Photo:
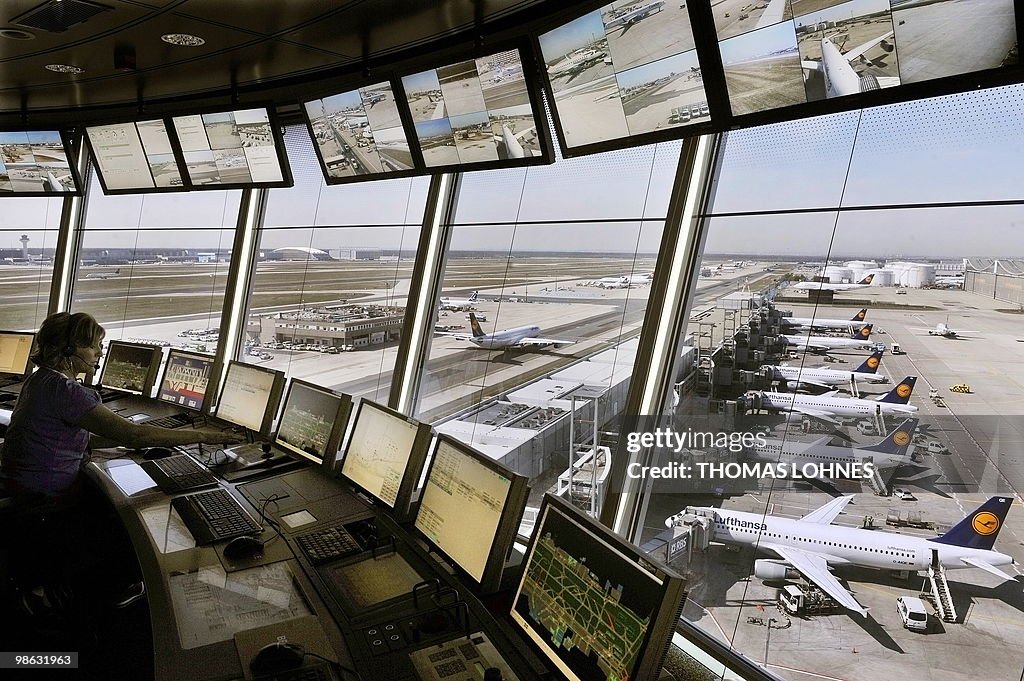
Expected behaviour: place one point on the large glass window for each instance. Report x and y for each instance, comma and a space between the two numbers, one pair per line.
28, 238
329, 292
858, 342
544, 291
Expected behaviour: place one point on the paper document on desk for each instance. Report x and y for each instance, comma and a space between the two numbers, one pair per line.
166, 528
130, 478
211, 605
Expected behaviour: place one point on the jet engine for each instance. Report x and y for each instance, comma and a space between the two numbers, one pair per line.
774, 570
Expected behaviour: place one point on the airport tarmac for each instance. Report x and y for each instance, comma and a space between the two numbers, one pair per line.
765, 84
591, 112
733, 17
655, 37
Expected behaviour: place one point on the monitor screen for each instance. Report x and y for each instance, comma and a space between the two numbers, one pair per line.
15, 348
595, 605
359, 134
250, 396
312, 421
622, 70
35, 163
186, 379
231, 149
477, 111
385, 454
130, 366
470, 508
134, 156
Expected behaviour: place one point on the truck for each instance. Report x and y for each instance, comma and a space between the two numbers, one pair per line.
910, 518
806, 599
896, 349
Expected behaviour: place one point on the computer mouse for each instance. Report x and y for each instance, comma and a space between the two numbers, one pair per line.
276, 658
243, 547
156, 453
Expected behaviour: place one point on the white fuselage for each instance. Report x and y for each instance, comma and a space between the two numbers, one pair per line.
829, 342
506, 338
846, 545
800, 453
812, 323
825, 286
850, 407
840, 78
827, 376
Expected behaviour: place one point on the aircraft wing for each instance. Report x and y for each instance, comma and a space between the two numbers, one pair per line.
818, 384
456, 336
818, 414
861, 49
824, 515
889, 81
815, 568
543, 341
992, 569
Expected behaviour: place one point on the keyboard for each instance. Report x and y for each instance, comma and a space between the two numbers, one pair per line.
178, 473
214, 515
172, 421
327, 544
317, 672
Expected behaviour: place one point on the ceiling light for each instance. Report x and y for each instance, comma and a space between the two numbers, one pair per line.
16, 34
64, 68
183, 39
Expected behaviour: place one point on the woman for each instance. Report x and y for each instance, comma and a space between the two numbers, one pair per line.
48, 437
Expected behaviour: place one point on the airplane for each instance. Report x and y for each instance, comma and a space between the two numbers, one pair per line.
941, 329
812, 544
840, 78
832, 407
888, 453
575, 64
627, 19
800, 377
104, 275
459, 304
513, 147
518, 337
815, 323
858, 340
826, 286
613, 282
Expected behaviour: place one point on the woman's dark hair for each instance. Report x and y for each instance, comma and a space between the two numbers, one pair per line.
61, 334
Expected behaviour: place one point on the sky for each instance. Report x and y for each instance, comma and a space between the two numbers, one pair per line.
964, 147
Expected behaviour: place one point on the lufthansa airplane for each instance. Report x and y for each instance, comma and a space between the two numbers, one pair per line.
855, 321
798, 378
889, 453
518, 337
858, 340
832, 407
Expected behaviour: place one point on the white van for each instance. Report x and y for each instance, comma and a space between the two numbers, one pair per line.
913, 612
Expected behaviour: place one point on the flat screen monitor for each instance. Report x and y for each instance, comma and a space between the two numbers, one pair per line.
595, 606
15, 349
470, 510
385, 456
482, 113
186, 379
359, 135
623, 70
134, 157
131, 367
228, 149
250, 396
36, 163
313, 421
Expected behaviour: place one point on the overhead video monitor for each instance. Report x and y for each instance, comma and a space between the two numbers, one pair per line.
134, 157
250, 396
313, 421
623, 70
131, 367
36, 163
15, 349
470, 510
478, 113
232, 149
594, 605
385, 456
359, 135
186, 379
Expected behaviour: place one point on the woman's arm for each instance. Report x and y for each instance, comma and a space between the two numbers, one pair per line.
105, 423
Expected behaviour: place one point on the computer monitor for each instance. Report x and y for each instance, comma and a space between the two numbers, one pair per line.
15, 348
385, 455
595, 606
313, 421
250, 396
470, 510
131, 367
186, 379
37, 163
134, 157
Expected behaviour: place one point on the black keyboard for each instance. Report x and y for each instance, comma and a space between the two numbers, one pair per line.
172, 421
317, 672
214, 515
327, 544
178, 473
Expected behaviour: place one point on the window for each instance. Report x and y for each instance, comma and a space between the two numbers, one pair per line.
28, 238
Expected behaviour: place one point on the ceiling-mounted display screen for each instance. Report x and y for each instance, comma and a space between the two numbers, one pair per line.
134, 156
626, 69
35, 163
778, 53
232, 149
359, 134
480, 112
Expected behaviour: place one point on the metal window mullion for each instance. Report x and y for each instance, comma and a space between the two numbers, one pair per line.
69, 240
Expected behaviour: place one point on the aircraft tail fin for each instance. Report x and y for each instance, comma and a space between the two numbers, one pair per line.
901, 393
897, 441
870, 365
979, 529
475, 325
473, 295
867, 280
860, 316
863, 333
